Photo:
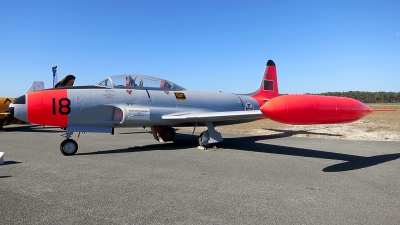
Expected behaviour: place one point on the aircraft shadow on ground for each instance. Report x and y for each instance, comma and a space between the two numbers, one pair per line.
5, 177
179, 144
249, 143
289, 133
31, 128
10, 163
351, 162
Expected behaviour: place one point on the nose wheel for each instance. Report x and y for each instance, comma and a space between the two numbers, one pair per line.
68, 147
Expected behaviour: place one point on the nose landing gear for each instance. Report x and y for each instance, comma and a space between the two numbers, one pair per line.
68, 147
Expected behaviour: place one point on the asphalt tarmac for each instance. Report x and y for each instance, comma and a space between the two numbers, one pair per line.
129, 178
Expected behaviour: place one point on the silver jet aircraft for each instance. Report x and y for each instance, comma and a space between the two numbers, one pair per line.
143, 101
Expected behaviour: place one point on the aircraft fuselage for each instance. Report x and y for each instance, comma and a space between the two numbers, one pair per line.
78, 109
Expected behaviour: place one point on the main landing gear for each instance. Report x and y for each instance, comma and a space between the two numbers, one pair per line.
209, 137
68, 146
163, 133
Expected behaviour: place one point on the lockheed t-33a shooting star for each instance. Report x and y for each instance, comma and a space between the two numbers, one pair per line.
144, 101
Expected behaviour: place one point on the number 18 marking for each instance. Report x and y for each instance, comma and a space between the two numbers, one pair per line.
63, 106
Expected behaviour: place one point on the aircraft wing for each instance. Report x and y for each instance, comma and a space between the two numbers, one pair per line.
214, 116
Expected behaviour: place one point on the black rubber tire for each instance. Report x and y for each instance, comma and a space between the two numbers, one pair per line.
68, 147
200, 139
170, 133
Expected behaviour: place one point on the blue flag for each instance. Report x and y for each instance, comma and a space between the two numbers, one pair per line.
55, 79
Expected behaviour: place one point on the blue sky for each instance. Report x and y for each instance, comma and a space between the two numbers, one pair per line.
212, 45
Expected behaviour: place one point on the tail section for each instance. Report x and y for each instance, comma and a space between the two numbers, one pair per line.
36, 86
269, 85
67, 81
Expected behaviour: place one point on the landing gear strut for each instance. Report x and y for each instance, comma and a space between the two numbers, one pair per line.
209, 137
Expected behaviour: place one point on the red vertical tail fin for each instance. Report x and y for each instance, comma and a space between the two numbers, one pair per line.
269, 85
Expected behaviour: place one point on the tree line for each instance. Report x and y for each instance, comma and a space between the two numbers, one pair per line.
368, 97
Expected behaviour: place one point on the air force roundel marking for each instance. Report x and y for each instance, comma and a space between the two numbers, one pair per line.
249, 106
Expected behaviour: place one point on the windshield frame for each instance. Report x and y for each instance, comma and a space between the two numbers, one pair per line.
137, 81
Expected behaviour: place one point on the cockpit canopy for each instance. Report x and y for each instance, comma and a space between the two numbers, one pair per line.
138, 81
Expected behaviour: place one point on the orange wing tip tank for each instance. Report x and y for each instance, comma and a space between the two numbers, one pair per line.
314, 109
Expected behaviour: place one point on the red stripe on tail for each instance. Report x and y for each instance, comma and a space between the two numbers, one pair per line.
269, 85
